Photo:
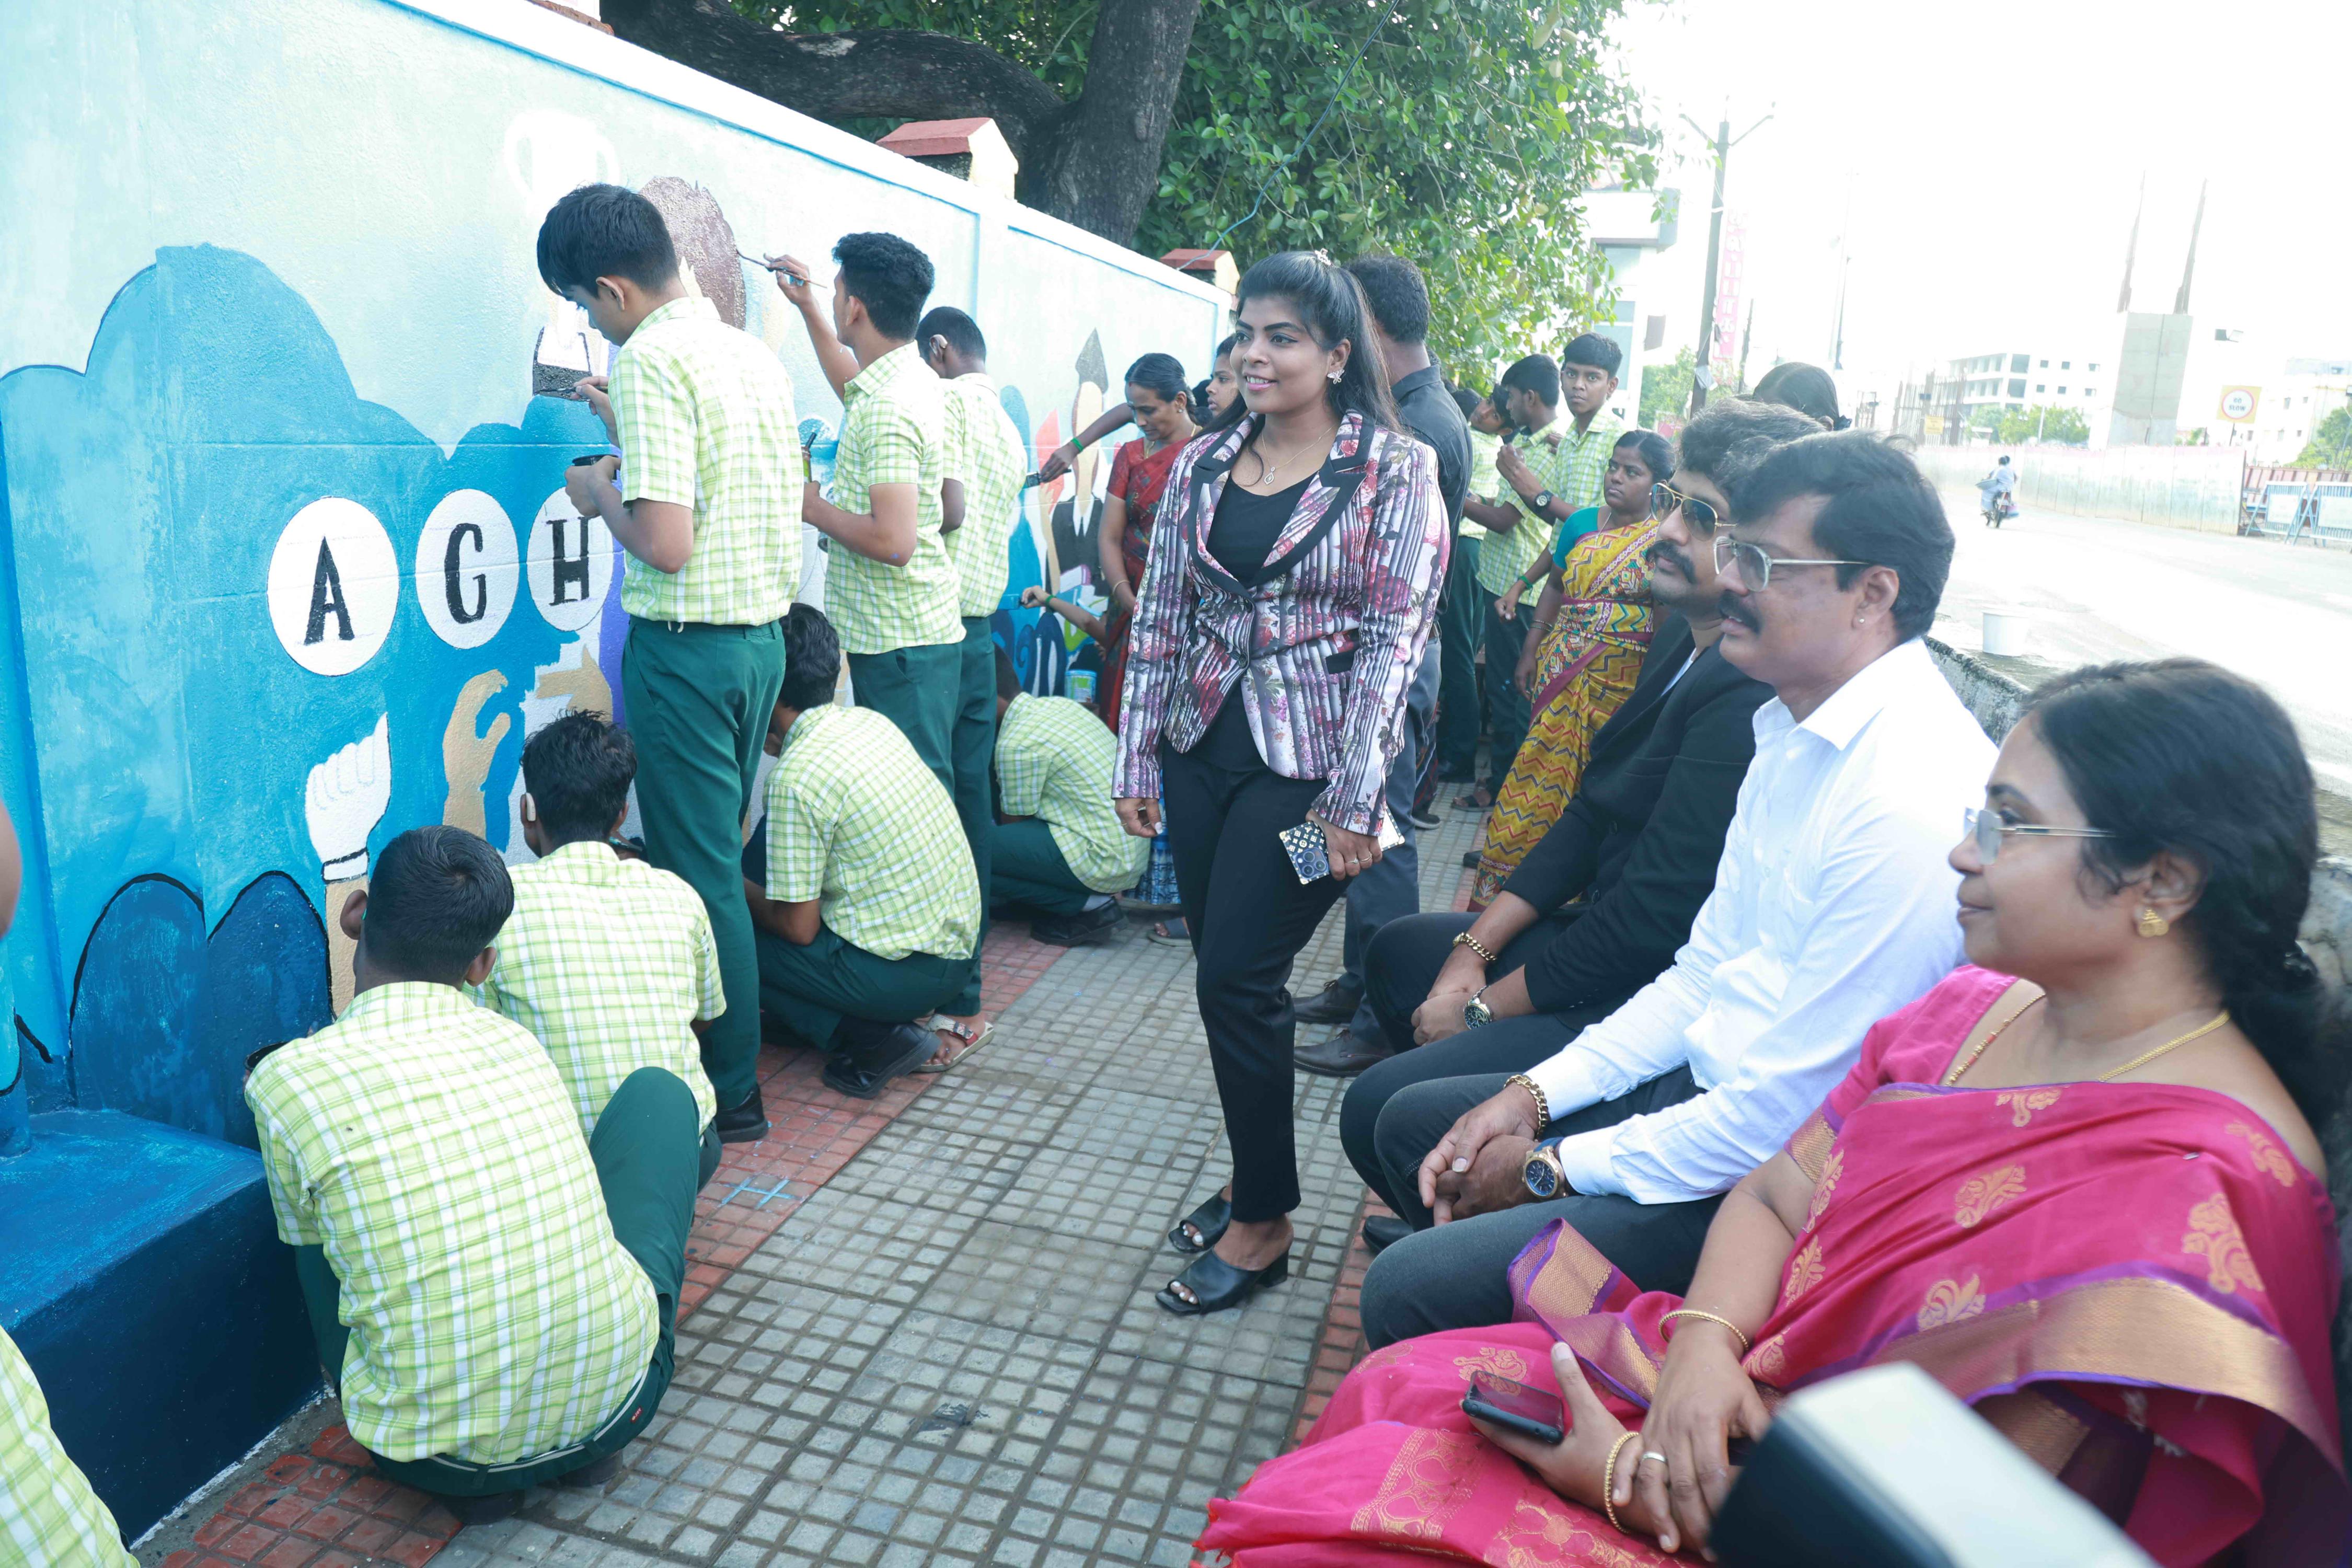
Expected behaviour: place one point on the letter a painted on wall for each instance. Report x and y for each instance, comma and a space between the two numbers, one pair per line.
467, 568
570, 564
334, 586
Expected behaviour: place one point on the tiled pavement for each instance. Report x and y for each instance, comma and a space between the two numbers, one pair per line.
921, 1330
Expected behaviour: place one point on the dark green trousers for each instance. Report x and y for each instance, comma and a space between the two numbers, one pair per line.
1029, 872
648, 1151
975, 777
1461, 627
1508, 708
919, 689
809, 990
699, 697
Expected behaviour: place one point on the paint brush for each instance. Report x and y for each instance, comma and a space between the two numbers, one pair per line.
787, 277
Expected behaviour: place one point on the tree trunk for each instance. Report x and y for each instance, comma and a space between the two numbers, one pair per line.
1095, 163
1102, 166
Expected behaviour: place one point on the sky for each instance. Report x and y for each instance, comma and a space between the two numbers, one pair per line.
1993, 165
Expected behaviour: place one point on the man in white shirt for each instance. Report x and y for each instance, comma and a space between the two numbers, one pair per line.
1832, 906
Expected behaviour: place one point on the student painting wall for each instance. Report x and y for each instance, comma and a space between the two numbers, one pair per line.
285, 565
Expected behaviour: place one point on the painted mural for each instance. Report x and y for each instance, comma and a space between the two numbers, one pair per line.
285, 564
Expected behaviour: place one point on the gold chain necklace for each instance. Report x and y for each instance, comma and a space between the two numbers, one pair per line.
2141, 1061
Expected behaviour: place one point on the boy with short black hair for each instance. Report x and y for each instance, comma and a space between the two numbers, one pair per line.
703, 415
1060, 852
493, 1299
870, 911
890, 585
609, 962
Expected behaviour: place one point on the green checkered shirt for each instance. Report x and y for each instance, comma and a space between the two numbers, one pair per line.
47, 1512
985, 451
1484, 482
893, 432
608, 962
706, 422
1572, 474
1054, 760
431, 1147
1581, 465
855, 819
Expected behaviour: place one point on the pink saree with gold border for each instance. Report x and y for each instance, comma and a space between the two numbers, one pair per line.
2134, 1282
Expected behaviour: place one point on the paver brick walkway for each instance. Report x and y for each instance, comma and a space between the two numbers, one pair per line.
922, 1331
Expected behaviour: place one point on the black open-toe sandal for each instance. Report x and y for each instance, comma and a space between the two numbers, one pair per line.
1208, 1220
1216, 1285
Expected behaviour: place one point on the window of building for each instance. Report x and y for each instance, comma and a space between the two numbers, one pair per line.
2065, 364
2061, 392
2045, 365
2017, 389
2016, 361
2093, 365
2090, 392
2040, 386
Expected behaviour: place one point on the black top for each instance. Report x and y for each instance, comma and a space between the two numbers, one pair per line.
1242, 535
1643, 837
1430, 412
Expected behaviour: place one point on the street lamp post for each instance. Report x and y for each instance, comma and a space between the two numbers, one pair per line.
1723, 142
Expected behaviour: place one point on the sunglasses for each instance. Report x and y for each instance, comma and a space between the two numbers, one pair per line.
1756, 563
1988, 830
1699, 514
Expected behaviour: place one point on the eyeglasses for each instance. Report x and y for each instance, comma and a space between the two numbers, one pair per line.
1755, 565
1699, 514
1988, 830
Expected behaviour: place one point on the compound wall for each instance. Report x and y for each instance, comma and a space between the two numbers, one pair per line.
285, 562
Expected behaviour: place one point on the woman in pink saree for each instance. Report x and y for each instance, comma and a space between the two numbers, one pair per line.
2077, 1183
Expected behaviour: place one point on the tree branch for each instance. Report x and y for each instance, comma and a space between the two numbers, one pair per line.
885, 73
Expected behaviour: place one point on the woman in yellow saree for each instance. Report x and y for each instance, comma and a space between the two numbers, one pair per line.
1592, 625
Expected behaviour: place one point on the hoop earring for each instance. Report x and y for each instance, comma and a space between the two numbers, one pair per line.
2150, 923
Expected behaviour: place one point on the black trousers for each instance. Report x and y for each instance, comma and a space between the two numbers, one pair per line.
1454, 1276
1399, 971
1249, 916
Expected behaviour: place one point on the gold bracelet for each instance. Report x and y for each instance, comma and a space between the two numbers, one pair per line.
1543, 1104
1609, 1481
1710, 1317
1465, 939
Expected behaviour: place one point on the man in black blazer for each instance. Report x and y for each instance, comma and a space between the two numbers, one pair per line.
1600, 907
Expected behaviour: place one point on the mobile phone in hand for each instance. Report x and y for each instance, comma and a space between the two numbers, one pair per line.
1515, 1408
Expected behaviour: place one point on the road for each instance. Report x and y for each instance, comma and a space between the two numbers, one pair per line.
2101, 588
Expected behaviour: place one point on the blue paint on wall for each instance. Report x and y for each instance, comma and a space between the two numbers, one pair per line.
147, 1288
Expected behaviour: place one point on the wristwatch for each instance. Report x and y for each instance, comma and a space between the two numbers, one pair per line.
1476, 1014
1542, 1173
1542, 500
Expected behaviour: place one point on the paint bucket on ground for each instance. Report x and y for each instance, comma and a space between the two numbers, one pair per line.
2005, 633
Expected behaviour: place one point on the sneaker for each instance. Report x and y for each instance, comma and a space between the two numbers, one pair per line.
743, 1123
1424, 818
1335, 1004
1088, 928
862, 1069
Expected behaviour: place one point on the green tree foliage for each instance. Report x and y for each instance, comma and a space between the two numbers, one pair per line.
1667, 389
1461, 141
2054, 424
2330, 445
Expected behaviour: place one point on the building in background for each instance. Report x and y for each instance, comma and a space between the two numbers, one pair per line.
1629, 228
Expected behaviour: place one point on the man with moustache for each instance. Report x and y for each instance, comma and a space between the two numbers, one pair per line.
1832, 908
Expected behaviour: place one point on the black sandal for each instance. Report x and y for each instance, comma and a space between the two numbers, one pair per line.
1210, 1219
1217, 1285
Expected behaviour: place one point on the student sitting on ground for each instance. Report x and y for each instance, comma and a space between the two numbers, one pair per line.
493, 1298
1060, 852
871, 910
611, 963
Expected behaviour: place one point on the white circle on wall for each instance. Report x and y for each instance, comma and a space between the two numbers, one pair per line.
570, 564
334, 586
466, 569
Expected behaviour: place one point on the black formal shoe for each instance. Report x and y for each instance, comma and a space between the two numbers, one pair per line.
1216, 1285
862, 1069
1088, 928
597, 1472
1426, 821
743, 1123
1382, 1231
1470, 859
1344, 1055
1335, 1004
1198, 1231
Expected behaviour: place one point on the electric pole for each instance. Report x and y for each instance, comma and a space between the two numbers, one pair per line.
1723, 142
